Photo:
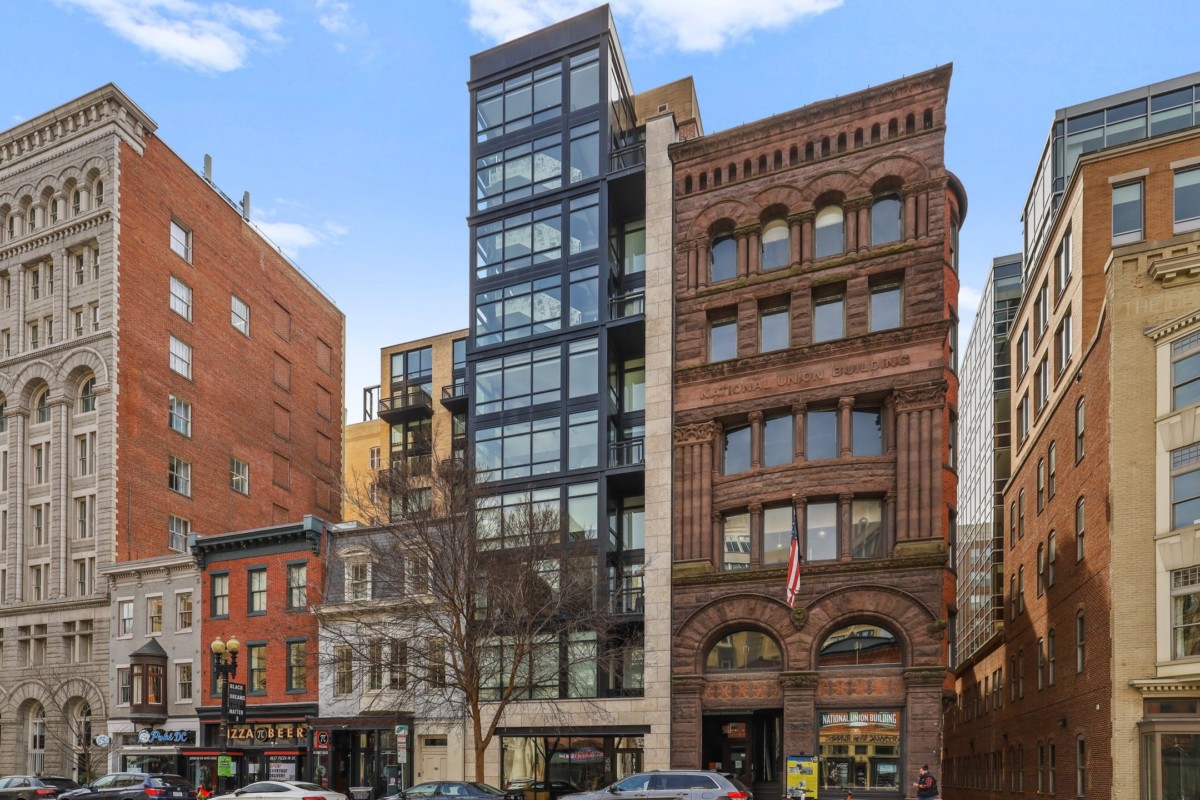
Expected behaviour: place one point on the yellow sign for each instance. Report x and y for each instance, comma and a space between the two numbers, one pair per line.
802, 777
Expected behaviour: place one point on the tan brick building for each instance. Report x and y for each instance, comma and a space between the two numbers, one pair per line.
1093, 691
815, 287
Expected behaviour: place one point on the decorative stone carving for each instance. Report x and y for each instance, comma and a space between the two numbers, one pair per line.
915, 398
798, 680
696, 433
799, 617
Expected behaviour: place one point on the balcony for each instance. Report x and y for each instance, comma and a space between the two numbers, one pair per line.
627, 157
407, 404
628, 600
629, 304
454, 395
627, 452
406, 467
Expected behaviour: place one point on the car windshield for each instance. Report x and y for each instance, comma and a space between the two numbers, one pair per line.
483, 787
634, 783
62, 783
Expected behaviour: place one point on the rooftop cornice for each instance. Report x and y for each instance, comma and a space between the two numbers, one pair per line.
307, 534
822, 111
103, 106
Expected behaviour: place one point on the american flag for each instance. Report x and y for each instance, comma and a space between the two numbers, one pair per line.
794, 561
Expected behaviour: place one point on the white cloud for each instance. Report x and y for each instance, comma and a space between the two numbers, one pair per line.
292, 237
968, 301
688, 25
215, 37
333, 15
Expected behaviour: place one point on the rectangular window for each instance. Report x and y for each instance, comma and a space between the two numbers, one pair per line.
179, 476
1127, 213
1080, 767
178, 529
829, 316
821, 435
1041, 310
737, 450
343, 674
375, 665
398, 665
437, 664
1185, 371
257, 669
183, 611
358, 580
1023, 419
181, 357
1062, 264
1023, 352
866, 528
776, 535
722, 340
1063, 345
773, 329
181, 241
517, 311
154, 614
519, 449
257, 591
1080, 642
124, 686
240, 315
239, 476
125, 618
220, 595
737, 541
297, 586
1080, 422
778, 441
179, 415
866, 431
886, 306
85, 454
85, 576
523, 379
181, 298
297, 666
183, 683
1187, 200
85, 516
821, 532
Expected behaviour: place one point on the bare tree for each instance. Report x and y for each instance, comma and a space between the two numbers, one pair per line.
477, 600
70, 737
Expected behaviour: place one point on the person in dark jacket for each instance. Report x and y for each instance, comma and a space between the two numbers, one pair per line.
926, 784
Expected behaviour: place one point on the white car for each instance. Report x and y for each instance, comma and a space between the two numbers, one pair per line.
282, 790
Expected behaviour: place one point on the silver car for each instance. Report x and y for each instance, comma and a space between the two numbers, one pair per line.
673, 784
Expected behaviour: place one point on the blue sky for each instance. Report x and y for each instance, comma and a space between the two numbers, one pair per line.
347, 120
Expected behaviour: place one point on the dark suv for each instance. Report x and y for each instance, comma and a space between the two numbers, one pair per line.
30, 787
137, 786
672, 784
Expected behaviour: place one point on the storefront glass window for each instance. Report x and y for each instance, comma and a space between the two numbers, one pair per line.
860, 751
540, 765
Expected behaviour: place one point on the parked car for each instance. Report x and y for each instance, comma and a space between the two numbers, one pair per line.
29, 787
135, 786
439, 790
689, 784
529, 789
279, 790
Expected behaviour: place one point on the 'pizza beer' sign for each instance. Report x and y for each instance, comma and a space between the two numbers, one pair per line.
277, 733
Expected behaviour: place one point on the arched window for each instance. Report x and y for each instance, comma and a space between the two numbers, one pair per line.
793, 156
862, 643
35, 735
731, 173
703, 181
775, 253
87, 396
716, 177
3, 415
762, 164
32, 218
98, 195
885, 220
744, 650
875, 132
746, 168
841, 143
41, 406
910, 124
76, 202
927, 120
893, 128
724, 259
829, 239
687, 184
824, 146
808, 151
858, 137
778, 159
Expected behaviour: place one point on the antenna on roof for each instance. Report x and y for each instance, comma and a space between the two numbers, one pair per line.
208, 167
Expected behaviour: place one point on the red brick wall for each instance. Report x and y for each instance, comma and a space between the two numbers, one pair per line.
232, 390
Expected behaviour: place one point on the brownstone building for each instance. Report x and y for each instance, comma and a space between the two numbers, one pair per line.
815, 287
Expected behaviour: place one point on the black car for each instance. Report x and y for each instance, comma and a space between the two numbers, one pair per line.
136, 786
529, 789
30, 787
443, 790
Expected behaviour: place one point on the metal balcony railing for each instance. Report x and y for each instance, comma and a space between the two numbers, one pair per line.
454, 391
628, 600
630, 156
415, 398
627, 305
627, 452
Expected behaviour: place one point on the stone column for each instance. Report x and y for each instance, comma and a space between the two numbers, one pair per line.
889, 424
794, 238
799, 414
844, 523
756, 527
18, 507
756, 439
864, 225
703, 261
807, 220
743, 258
889, 521
923, 213
799, 710
754, 248
910, 217
924, 711
60, 464
800, 505
845, 427
687, 729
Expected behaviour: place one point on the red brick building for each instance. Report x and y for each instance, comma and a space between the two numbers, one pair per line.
816, 291
259, 587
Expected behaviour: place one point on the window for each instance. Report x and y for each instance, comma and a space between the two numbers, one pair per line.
1041, 570
1079, 529
528, 168
183, 611
517, 311
297, 666
1127, 213
828, 238
773, 329
1187, 200
821, 532
1062, 263
179, 476
885, 220
744, 650
1080, 642
775, 245
952, 442
1185, 486
1050, 658
1080, 766
239, 315
1051, 556
181, 298
154, 614
1021, 514
1185, 371
124, 686
1063, 346
373, 458
1080, 420
519, 380
42, 407
85, 517
34, 339
181, 357
183, 683
297, 586
821, 435
87, 396
257, 592
125, 618
722, 340
737, 450
1041, 310
518, 241
1185, 614
358, 580
778, 441
257, 669
177, 533
886, 307
181, 241
1020, 597
1023, 352
723, 259
220, 595
866, 528
36, 737
437, 664
736, 530
239, 476
1041, 663
866, 431
518, 102
1041, 485
179, 415
39, 525
85, 454
829, 315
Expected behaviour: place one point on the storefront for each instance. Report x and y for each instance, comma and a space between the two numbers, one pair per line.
860, 750
153, 749
261, 749
362, 751
585, 761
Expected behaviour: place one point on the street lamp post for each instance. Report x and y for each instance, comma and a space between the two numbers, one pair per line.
224, 664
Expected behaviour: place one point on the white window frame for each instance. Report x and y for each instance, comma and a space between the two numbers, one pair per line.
191, 610
151, 599
181, 241
239, 475
179, 411
178, 529
239, 318
181, 357
122, 604
180, 697
181, 298
179, 473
